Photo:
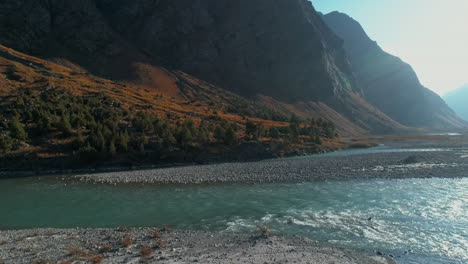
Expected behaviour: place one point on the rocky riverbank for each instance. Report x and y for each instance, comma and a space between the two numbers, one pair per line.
410, 163
150, 245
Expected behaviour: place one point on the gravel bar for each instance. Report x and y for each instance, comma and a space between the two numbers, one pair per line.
149, 245
411, 164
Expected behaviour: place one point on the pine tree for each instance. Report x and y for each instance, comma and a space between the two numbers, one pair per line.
122, 142
185, 138
230, 136
318, 140
19, 101
6, 143
250, 129
203, 135
220, 134
260, 131
294, 119
17, 129
65, 126
97, 140
112, 148
274, 133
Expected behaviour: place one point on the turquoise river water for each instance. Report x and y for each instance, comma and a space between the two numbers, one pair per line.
416, 220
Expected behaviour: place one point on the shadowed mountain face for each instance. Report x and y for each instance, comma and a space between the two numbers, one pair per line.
250, 47
457, 101
280, 49
388, 82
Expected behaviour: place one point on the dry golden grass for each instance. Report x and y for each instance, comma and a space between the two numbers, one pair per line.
154, 94
74, 252
104, 248
146, 252
96, 259
158, 98
40, 261
155, 234
264, 231
127, 241
160, 243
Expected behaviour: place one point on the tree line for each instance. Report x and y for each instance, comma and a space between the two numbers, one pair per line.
100, 127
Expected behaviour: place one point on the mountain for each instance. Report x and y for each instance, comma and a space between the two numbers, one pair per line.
457, 101
278, 53
388, 82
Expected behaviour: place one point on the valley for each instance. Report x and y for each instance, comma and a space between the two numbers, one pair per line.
221, 131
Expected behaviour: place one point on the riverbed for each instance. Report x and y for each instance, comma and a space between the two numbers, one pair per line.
413, 219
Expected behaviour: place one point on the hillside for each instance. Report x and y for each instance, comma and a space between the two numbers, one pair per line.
256, 49
130, 82
388, 82
457, 101
54, 116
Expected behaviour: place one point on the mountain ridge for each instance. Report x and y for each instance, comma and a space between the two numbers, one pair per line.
390, 83
253, 48
457, 100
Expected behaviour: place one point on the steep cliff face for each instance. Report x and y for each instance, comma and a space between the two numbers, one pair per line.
280, 48
388, 82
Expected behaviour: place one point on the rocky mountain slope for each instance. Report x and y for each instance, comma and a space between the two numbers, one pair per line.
280, 52
457, 101
54, 117
388, 82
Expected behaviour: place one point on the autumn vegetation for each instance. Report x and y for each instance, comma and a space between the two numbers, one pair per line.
54, 117
100, 127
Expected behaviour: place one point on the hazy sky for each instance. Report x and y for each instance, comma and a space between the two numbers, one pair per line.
431, 35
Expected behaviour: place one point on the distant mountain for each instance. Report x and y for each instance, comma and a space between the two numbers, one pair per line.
457, 100
388, 82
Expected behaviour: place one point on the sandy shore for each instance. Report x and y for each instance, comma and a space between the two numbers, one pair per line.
410, 164
147, 245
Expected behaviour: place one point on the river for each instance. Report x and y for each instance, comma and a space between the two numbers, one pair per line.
415, 220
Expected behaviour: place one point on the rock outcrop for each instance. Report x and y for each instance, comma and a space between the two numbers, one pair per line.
388, 82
